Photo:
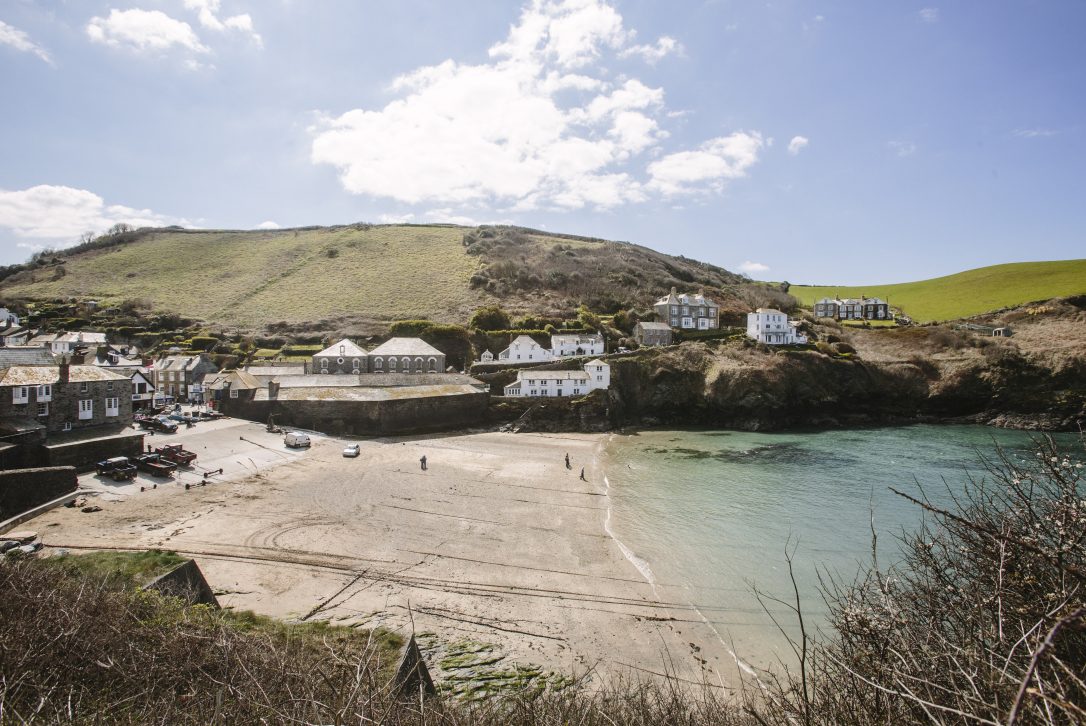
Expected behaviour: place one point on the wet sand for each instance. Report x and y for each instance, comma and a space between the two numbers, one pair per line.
496, 541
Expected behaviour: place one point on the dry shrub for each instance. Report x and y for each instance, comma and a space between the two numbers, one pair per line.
983, 622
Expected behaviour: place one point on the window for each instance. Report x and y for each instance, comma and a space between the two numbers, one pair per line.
20, 394
67, 425
339, 361
533, 392
392, 364
109, 386
84, 387
599, 378
405, 365
233, 393
43, 409
576, 391
324, 364
433, 365
113, 407
86, 408
378, 364
45, 393
354, 364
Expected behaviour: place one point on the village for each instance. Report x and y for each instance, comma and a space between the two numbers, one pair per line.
76, 398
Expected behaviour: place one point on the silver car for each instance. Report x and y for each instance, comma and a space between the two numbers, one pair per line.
352, 450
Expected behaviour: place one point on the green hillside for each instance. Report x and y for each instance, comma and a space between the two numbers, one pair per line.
357, 275
967, 293
253, 278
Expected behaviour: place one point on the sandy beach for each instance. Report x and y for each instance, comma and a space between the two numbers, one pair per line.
496, 541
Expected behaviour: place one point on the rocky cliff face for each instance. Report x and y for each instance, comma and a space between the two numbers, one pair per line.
755, 388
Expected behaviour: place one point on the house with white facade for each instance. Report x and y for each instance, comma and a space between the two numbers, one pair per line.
578, 344
770, 326
68, 343
524, 349
13, 334
486, 357
595, 375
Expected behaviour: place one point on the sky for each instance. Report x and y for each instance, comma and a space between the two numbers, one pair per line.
815, 142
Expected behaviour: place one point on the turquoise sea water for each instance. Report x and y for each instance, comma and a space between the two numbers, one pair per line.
707, 514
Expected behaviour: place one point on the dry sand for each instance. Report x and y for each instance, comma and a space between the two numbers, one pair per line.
497, 541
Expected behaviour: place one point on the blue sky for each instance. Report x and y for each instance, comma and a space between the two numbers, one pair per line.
824, 142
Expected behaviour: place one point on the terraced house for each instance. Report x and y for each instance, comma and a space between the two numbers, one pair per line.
181, 377
688, 312
861, 308
64, 397
535, 383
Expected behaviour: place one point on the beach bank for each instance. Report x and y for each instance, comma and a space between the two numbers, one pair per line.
496, 541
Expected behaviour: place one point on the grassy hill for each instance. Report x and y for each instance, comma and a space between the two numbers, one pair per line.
967, 293
362, 275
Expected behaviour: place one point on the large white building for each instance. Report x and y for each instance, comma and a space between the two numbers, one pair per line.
539, 384
566, 346
524, 348
773, 327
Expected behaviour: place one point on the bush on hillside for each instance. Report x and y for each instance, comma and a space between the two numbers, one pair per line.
491, 317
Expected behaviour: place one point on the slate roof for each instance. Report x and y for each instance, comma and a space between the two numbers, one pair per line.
654, 326
177, 362
685, 299
46, 375
82, 337
576, 338
28, 356
552, 376
406, 346
350, 350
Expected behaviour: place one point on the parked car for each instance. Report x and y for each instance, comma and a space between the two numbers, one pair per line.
155, 465
177, 454
118, 468
181, 417
159, 423
352, 450
297, 440
207, 415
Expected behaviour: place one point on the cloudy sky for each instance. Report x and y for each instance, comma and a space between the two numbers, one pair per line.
832, 142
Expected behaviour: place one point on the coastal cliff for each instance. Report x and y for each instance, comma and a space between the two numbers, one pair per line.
1034, 380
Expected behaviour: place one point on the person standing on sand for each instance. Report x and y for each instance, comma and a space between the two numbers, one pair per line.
582, 474
423, 462
567, 461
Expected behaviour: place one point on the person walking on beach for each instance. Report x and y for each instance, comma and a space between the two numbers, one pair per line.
567, 461
582, 474
423, 462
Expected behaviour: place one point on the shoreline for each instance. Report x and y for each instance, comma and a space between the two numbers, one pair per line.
496, 543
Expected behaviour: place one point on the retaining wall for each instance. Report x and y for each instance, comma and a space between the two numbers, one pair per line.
23, 489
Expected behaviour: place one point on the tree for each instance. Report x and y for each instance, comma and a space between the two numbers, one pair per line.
491, 317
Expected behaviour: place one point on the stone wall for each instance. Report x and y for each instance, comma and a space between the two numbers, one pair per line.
83, 455
24, 489
366, 418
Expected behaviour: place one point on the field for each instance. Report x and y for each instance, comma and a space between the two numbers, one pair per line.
250, 279
967, 293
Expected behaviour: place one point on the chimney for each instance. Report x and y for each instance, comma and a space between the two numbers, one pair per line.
273, 389
65, 370
672, 291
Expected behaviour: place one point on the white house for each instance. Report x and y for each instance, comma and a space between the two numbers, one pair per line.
6, 316
487, 357
539, 384
564, 346
524, 348
68, 342
767, 325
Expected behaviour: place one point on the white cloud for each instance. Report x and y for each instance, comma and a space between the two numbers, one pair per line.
752, 267
797, 144
929, 15
208, 15
902, 148
151, 31
1034, 133
63, 213
719, 159
19, 40
395, 218
653, 54
542, 125
269, 224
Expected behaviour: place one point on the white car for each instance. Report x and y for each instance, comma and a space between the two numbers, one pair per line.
352, 450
